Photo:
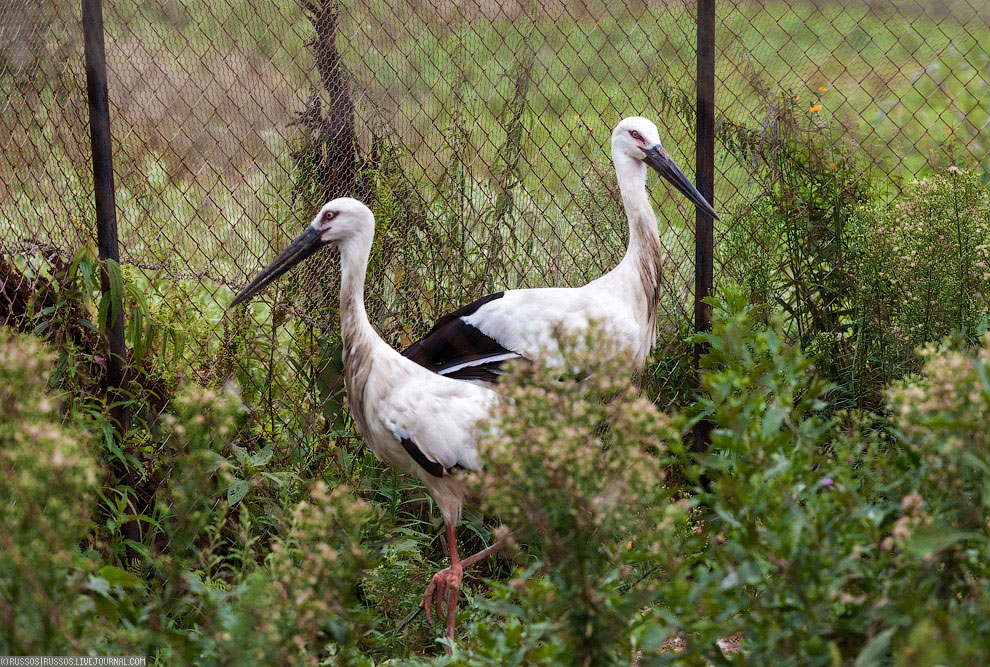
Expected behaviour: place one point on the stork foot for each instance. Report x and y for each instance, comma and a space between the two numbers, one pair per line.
444, 587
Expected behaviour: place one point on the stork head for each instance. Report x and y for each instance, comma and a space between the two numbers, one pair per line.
339, 222
342, 220
638, 138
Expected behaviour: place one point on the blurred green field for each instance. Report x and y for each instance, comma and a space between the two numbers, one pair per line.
204, 94
915, 86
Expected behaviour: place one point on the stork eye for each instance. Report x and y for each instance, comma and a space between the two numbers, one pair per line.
329, 215
636, 135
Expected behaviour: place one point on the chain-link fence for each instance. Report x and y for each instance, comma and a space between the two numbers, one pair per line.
478, 132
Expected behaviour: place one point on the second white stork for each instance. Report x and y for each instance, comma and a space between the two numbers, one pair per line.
473, 342
418, 421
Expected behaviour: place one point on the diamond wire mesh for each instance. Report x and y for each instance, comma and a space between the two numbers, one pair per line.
41, 113
903, 84
477, 130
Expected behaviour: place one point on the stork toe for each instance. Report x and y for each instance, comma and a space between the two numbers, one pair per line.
436, 591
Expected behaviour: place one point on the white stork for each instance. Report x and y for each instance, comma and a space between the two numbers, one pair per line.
472, 342
419, 421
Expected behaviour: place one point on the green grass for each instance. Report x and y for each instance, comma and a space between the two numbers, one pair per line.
910, 83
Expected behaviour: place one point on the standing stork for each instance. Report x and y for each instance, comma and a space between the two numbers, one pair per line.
473, 342
418, 421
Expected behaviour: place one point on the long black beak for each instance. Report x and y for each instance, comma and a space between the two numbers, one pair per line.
301, 247
657, 158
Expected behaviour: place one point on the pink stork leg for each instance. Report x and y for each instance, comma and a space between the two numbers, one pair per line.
447, 582
454, 577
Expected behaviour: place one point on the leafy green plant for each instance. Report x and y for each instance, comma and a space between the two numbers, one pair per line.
821, 537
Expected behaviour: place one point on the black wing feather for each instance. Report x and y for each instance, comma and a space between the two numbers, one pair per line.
432, 467
453, 342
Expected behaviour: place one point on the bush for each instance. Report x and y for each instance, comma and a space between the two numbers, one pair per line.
859, 279
574, 466
791, 247
941, 418
220, 596
825, 539
923, 267
808, 534
47, 493
204, 589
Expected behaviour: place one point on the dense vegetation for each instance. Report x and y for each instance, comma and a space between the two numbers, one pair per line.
812, 534
840, 515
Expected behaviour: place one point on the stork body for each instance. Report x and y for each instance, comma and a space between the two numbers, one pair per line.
473, 342
418, 421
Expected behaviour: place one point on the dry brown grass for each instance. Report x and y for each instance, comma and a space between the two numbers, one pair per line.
218, 107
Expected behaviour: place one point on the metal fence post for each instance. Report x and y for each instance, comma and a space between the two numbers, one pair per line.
704, 247
106, 214
106, 233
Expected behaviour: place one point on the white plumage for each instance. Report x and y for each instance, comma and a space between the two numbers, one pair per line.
440, 417
418, 421
472, 342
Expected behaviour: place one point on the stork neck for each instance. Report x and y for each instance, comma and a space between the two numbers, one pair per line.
355, 329
644, 236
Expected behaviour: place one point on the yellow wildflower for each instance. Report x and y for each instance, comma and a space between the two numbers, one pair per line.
822, 89
816, 108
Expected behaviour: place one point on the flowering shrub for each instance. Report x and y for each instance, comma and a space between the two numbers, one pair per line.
924, 269
315, 574
47, 483
941, 418
595, 460
573, 465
